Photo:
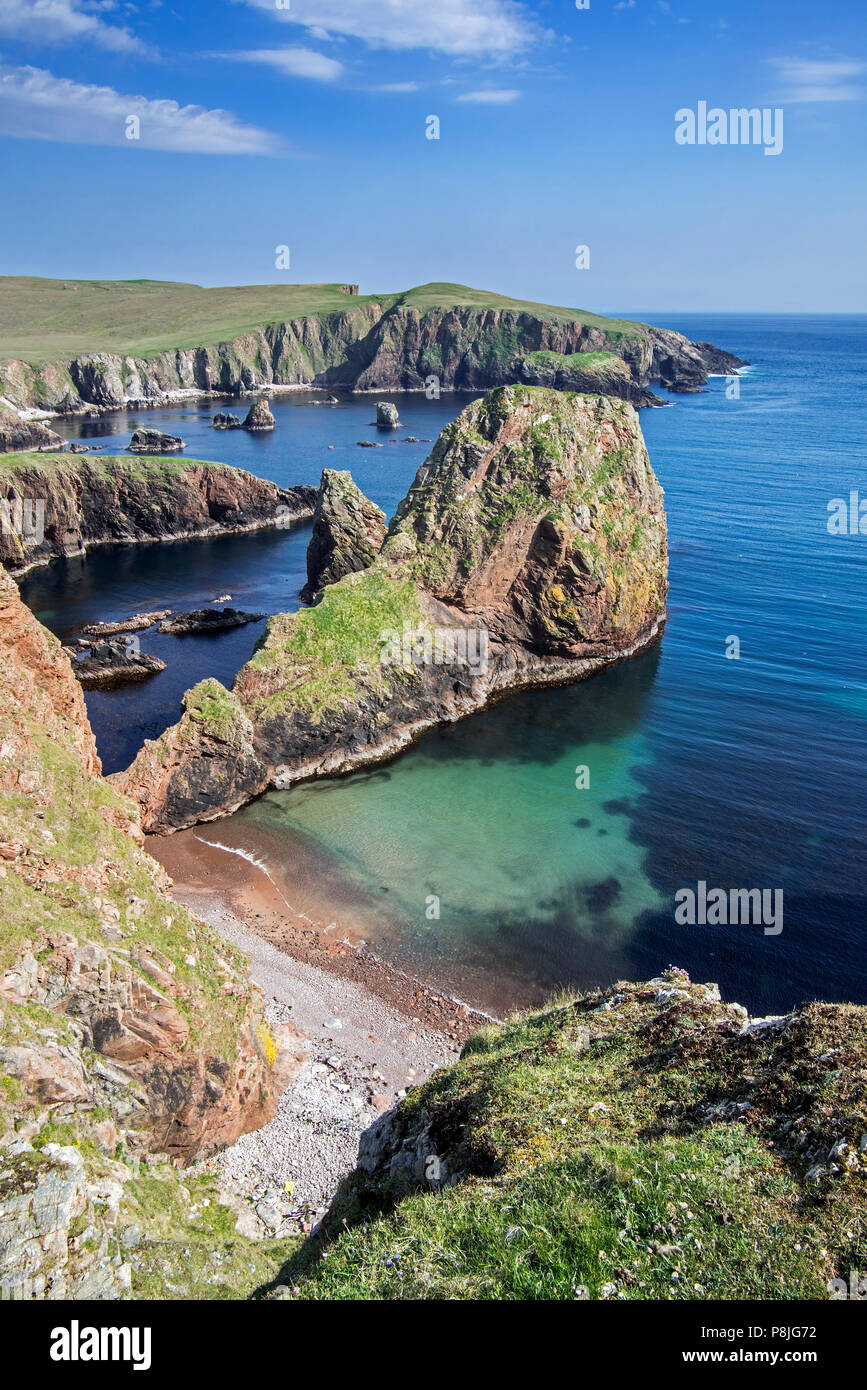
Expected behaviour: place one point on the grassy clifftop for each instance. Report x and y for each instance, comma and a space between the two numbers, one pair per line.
44, 320
649, 1142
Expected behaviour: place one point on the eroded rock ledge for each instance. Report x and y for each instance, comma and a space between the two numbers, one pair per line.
68, 505
531, 550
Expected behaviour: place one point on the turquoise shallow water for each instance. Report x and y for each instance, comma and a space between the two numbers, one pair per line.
744, 774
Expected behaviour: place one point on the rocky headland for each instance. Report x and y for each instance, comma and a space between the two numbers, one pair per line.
530, 550
461, 339
68, 505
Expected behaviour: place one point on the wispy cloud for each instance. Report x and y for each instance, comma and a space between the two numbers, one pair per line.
294, 62
808, 80
63, 21
625, 5
36, 105
491, 96
462, 28
396, 87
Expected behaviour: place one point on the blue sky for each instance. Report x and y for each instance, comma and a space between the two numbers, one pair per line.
265, 123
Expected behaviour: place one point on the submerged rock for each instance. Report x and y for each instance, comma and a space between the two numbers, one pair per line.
259, 417
155, 442
208, 620
386, 415
348, 531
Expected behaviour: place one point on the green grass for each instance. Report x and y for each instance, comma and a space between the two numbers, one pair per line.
645, 1151
316, 656
133, 465
45, 320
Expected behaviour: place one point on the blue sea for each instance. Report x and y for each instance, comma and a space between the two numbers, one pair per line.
475, 861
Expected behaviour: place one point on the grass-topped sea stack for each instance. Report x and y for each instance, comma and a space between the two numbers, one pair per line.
530, 550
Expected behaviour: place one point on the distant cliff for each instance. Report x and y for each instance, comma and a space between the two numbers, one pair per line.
396, 342
62, 504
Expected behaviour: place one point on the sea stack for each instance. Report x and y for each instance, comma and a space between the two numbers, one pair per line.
386, 416
348, 531
529, 551
259, 417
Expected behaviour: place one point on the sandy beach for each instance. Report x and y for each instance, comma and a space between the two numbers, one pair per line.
371, 1032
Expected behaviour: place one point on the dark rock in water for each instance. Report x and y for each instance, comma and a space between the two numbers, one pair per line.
368, 444
348, 531
137, 623
155, 442
386, 415
225, 420
208, 620
17, 435
111, 664
259, 417
410, 439
582, 822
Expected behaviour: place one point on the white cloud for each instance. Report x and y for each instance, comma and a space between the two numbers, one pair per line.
495, 28
36, 105
493, 96
625, 5
396, 87
294, 62
63, 21
808, 81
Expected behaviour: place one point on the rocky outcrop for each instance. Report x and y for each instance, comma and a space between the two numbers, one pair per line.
387, 345
530, 550
259, 417
17, 434
225, 420
387, 417
631, 1143
63, 506
138, 622
124, 1023
155, 442
348, 532
109, 665
208, 620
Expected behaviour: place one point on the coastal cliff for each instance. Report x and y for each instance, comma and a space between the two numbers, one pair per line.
57, 505
530, 550
467, 340
127, 1029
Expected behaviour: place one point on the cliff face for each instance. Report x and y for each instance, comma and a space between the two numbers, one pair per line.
530, 550
68, 503
126, 1028
376, 348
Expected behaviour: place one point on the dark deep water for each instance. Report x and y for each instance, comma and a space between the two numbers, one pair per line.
744, 773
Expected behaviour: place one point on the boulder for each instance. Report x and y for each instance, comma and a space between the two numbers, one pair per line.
225, 420
155, 442
386, 415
